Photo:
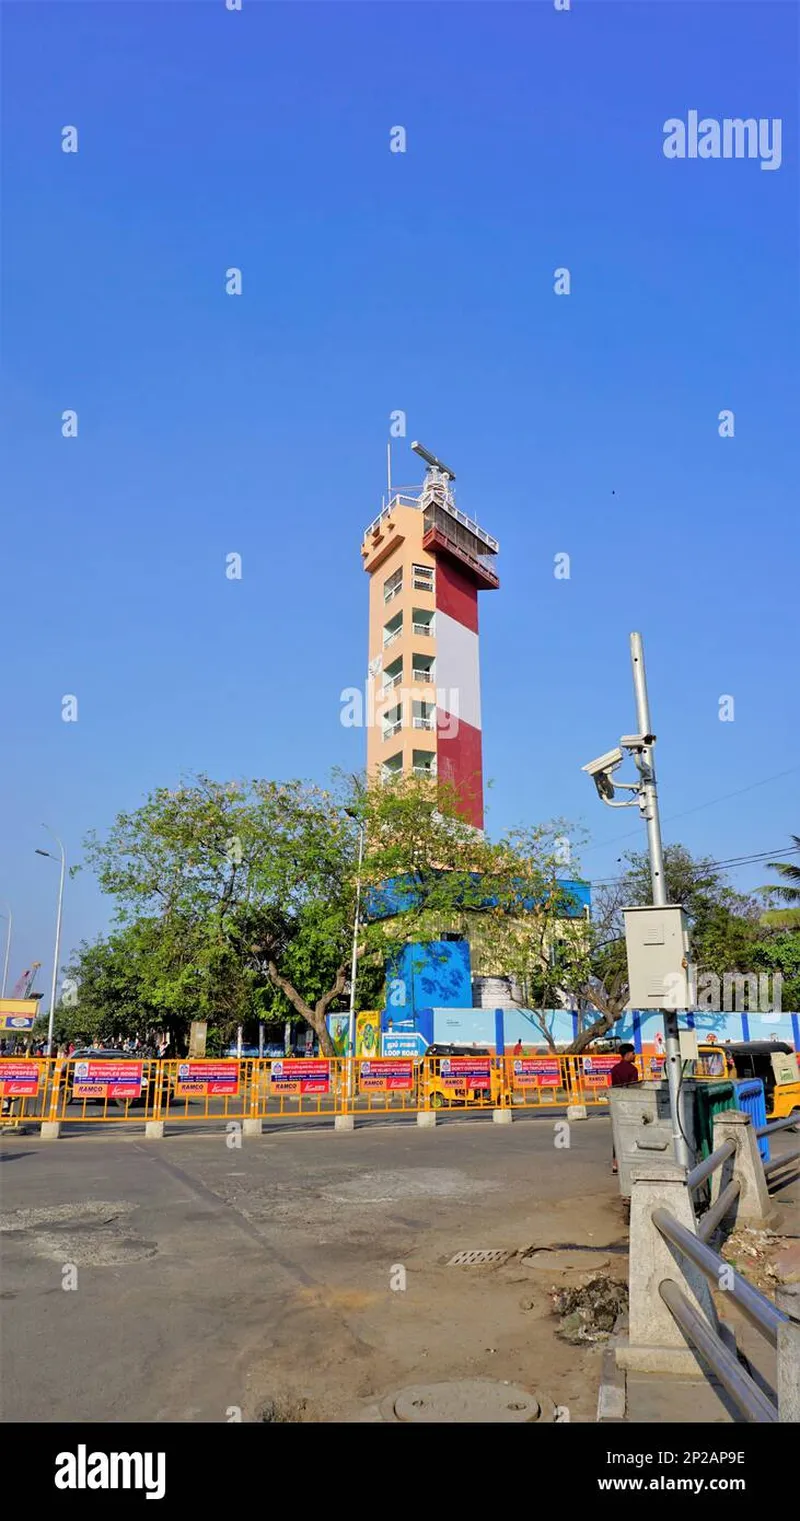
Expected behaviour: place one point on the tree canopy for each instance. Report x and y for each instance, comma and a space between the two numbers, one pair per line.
236, 901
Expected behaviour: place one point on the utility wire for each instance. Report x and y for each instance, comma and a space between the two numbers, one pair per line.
731, 864
699, 806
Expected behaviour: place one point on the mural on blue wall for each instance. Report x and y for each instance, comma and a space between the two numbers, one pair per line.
426, 976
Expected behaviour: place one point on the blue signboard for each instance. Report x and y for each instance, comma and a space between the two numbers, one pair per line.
410, 1043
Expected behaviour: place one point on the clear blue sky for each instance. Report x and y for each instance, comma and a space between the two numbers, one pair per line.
373, 281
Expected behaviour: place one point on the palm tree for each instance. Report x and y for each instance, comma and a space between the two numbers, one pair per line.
790, 872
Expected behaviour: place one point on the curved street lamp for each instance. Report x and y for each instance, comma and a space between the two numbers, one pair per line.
57, 952
6, 915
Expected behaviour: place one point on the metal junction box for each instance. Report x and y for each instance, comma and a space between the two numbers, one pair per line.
657, 947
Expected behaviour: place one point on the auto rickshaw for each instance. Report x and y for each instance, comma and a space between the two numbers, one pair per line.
773, 1061
439, 1091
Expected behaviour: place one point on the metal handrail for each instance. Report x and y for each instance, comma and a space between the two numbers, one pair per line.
410, 496
777, 1125
422, 628
754, 1305
744, 1391
778, 1162
711, 1219
710, 1164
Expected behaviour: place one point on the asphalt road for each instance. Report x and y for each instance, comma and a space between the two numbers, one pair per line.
185, 1279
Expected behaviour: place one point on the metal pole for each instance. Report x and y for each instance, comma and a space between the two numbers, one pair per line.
351, 1034
648, 803
8, 950
57, 952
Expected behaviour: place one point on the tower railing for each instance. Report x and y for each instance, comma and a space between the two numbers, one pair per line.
412, 496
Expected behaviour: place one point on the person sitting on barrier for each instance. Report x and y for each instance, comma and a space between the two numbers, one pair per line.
623, 1075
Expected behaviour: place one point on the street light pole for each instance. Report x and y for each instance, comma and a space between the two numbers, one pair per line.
351, 1036
648, 805
57, 952
9, 917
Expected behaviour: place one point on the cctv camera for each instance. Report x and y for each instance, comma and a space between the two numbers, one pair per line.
637, 741
604, 763
604, 785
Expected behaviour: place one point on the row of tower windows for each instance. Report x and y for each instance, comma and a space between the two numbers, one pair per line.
422, 579
423, 763
423, 716
423, 623
423, 670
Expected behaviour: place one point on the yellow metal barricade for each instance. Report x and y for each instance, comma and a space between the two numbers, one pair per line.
382, 1085
23, 1090
201, 1090
461, 1082
94, 1091
137, 1090
301, 1086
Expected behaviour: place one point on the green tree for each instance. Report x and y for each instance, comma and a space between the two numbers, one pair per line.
788, 891
724, 929
253, 886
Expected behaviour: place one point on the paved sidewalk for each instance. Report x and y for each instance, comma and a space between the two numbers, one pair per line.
655, 1398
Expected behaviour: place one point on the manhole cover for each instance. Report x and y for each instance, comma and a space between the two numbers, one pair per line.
471, 1399
473, 1259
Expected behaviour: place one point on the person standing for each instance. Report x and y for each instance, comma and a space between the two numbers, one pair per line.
623, 1075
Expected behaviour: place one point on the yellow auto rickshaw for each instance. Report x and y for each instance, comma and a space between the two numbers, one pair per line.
446, 1079
773, 1061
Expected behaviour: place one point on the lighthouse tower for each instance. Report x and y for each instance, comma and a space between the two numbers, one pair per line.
427, 561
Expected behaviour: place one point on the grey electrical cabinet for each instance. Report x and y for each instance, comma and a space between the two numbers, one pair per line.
657, 947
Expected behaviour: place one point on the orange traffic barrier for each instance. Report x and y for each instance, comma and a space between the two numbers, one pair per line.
136, 1091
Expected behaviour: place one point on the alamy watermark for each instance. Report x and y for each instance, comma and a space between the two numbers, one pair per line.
731, 137
399, 708
733, 993
84, 1469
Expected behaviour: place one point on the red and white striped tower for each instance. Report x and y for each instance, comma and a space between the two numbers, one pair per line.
427, 563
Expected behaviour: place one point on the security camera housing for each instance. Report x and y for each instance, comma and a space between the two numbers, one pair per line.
607, 762
604, 785
637, 741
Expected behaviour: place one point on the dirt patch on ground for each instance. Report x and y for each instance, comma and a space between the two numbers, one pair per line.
765, 1258
357, 1344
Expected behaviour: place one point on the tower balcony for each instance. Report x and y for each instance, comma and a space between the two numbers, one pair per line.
445, 529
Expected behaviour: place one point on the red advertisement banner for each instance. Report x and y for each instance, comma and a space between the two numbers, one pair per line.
19, 1077
311, 1074
535, 1072
99, 1079
205, 1077
386, 1075
466, 1071
597, 1071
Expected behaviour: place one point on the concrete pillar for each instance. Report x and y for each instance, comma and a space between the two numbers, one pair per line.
426, 1118
502, 1116
789, 1371
655, 1342
577, 1112
252, 1127
154, 1130
51, 1130
344, 1122
753, 1206
787, 1298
